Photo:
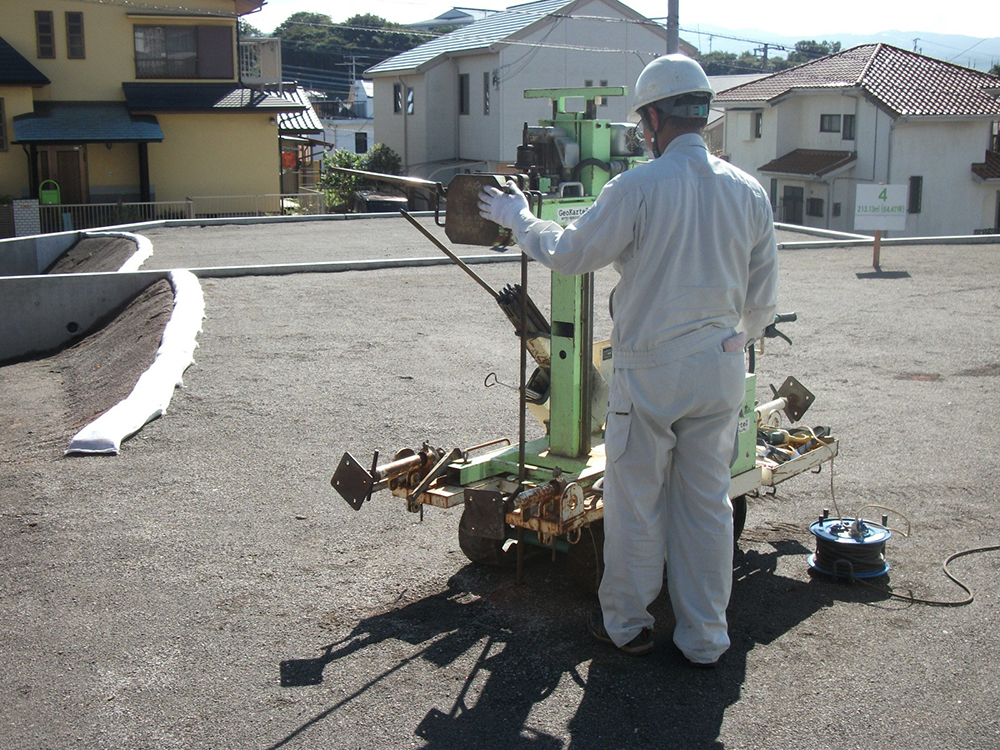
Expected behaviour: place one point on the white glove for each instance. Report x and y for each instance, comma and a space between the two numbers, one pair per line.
508, 208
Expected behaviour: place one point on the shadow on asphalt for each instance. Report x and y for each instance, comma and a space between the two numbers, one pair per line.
525, 641
878, 273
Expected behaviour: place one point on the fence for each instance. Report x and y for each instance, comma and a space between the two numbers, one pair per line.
68, 217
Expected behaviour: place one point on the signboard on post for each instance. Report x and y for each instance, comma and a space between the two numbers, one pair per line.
880, 207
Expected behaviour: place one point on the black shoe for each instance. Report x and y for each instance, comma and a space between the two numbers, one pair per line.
682, 659
641, 645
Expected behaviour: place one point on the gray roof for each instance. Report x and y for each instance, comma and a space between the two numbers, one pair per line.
85, 122
15, 70
479, 35
202, 97
304, 121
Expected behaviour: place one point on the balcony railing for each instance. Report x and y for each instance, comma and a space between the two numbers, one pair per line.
69, 217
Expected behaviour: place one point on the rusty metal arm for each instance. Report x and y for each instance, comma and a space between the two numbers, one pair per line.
437, 189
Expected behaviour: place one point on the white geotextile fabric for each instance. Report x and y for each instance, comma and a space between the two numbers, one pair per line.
152, 393
143, 248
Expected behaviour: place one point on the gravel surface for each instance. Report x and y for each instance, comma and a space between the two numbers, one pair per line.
207, 588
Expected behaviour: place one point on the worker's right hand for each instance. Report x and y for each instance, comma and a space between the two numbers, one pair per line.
508, 208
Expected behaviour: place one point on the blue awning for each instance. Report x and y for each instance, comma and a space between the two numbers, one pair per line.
85, 122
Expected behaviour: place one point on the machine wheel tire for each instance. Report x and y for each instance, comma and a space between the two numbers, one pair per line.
486, 551
739, 516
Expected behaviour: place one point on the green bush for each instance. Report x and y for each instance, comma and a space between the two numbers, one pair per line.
339, 187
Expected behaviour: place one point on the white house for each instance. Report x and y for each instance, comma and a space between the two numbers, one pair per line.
457, 102
351, 126
868, 115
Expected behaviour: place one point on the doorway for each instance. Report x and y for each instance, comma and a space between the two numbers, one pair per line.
67, 166
792, 200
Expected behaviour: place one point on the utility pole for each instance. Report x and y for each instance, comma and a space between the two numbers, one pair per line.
673, 27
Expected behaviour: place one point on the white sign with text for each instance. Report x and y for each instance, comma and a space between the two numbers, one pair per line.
880, 207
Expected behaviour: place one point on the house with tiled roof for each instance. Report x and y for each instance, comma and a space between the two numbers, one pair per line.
132, 101
457, 101
868, 115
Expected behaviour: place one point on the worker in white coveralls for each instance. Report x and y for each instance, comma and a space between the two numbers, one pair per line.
693, 239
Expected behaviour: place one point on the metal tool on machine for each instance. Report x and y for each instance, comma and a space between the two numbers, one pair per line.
545, 492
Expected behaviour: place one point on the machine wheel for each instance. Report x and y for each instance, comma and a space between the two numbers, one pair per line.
739, 516
484, 551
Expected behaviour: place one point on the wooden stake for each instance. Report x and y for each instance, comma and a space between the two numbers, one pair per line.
878, 248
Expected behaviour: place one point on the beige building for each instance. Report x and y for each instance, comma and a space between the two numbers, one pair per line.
132, 101
457, 102
872, 114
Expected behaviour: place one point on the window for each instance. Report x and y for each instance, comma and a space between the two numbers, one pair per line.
360, 142
603, 101
409, 100
183, 52
397, 98
74, 36
486, 93
463, 94
916, 195
758, 124
814, 207
45, 34
829, 123
3, 128
848, 131
836, 210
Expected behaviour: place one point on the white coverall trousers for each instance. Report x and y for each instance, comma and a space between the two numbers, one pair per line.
669, 440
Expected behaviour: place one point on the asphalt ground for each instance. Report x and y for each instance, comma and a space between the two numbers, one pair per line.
207, 588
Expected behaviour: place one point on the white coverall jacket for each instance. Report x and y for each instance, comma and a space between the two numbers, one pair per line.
693, 239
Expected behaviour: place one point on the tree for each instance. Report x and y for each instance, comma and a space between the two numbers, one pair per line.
246, 29
315, 40
995, 70
807, 50
340, 187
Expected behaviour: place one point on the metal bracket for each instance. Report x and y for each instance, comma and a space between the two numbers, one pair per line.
353, 481
798, 397
484, 515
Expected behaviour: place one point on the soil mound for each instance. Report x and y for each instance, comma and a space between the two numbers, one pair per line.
94, 254
50, 398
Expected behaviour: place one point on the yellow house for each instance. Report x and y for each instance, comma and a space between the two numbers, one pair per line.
135, 101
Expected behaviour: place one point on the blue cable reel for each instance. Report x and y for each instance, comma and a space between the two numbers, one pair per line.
849, 548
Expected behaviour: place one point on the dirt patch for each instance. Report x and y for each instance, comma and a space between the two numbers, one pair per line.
94, 254
54, 396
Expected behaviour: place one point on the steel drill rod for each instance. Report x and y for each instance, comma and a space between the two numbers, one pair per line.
444, 249
392, 178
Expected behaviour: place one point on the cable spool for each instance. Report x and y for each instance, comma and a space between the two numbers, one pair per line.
849, 548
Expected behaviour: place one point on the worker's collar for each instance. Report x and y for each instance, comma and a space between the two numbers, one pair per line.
685, 140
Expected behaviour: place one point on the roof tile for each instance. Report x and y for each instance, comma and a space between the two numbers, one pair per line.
483, 33
905, 83
805, 161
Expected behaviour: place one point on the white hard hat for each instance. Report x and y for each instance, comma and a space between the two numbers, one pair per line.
666, 77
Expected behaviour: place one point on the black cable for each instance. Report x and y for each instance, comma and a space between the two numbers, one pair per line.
865, 561
859, 560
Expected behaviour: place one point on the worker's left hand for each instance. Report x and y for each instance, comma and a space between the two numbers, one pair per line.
508, 207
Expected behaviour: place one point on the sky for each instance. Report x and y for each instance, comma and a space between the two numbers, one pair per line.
783, 17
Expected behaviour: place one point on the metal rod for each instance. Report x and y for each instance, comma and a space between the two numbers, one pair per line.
523, 397
392, 178
444, 249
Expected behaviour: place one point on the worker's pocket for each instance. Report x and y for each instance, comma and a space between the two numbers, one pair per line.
617, 427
